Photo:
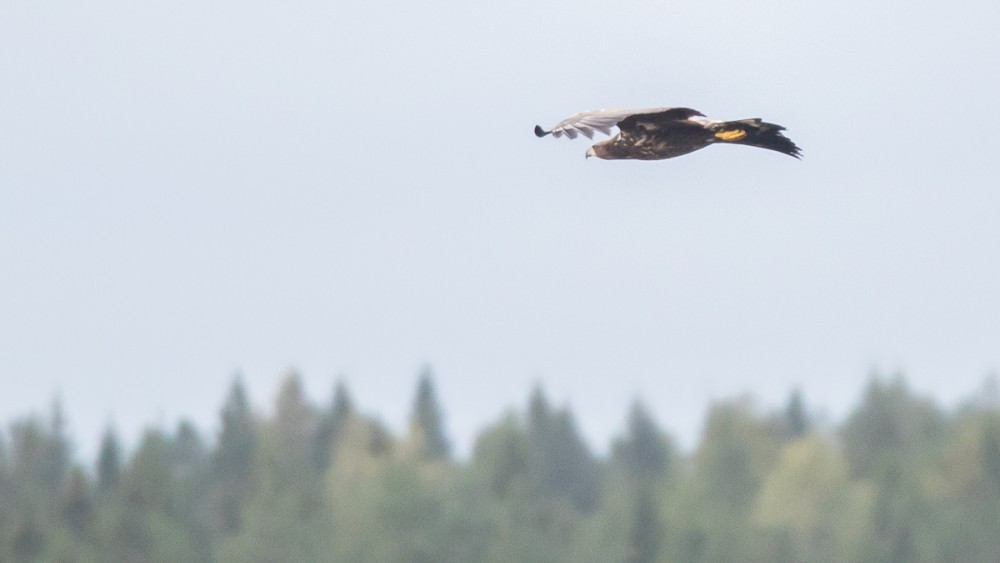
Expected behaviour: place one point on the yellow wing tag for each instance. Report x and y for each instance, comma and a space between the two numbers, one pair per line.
733, 135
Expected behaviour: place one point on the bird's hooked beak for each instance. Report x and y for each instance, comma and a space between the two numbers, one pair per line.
590, 152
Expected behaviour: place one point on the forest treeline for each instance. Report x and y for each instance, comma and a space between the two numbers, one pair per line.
900, 479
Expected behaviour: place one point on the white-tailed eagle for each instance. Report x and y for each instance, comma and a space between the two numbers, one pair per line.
658, 133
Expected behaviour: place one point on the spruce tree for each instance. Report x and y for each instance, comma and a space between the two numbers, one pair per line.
560, 463
57, 448
426, 421
795, 417
188, 450
891, 427
643, 452
571, 471
293, 422
147, 480
29, 448
331, 428
233, 459
539, 413
234, 454
109, 462
77, 506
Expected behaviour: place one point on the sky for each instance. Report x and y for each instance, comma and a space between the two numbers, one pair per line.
191, 190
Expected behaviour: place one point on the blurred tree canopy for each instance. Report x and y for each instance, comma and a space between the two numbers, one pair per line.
901, 479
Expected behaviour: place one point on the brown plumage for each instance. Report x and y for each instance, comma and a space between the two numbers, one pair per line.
659, 133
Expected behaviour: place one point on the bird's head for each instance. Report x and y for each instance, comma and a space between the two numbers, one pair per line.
591, 152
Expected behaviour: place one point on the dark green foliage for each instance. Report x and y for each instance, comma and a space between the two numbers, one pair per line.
559, 462
894, 517
188, 451
233, 456
288, 438
641, 458
644, 452
77, 506
109, 462
57, 448
738, 449
27, 537
646, 530
990, 443
427, 422
891, 426
331, 428
284, 517
40, 451
233, 460
569, 469
795, 418
28, 445
901, 480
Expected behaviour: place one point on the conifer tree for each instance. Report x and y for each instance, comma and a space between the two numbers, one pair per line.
188, 449
288, 504
795, 418
57, 448
426, 421
191, 502
147, 480
572, 470
560, 462
234, 453
28, 449
109, 462
292, 428
77, 506
539, 413
331, 428
233, 458
890, 428
643, 452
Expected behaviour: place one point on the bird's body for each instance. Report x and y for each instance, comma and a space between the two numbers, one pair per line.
659, 133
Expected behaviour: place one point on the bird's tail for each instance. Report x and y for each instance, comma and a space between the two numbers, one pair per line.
756, 133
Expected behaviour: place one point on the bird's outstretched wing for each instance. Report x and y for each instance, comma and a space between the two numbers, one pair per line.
587, 122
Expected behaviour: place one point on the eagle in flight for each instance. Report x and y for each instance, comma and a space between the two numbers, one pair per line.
658, 133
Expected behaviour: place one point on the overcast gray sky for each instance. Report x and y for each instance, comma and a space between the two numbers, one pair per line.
194, 188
